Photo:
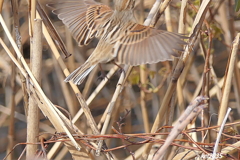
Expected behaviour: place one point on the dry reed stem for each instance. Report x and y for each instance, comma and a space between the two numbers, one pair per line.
229, 32
231, 149
111, 106
1, 5
91, 122
215, 81
189, 85
206, 81
74, 87
143, 80
170, 112
236, 84
182, 17
80, 112
181, 83
192, 154
22, 117
69, 45
10, 94
219, 133
71, 66
103, 118
32, 15
12, 106
149, 137
236, 78
152, 12
12, 57
161, 7
118, 89
121, 80
187, 154
88, 114
143, 76
155, 97
64, 88
57, 55
18, 39
168, 19
59, 125
190, 113
62, 153
89, 83
33, 110
54, 149
101, 85
215, 90
228, 81
171, 88
45, 105
52, 31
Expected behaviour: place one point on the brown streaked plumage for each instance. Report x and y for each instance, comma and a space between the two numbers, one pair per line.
120, 37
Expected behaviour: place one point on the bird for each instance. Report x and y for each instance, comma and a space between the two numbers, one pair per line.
121, 39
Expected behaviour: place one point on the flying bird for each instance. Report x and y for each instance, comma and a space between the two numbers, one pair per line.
121, 38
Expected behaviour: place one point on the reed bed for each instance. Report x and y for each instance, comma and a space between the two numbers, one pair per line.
185, 109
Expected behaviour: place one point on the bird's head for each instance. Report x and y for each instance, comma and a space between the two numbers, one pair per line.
121, 5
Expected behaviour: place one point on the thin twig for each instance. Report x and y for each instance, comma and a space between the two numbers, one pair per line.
220, 132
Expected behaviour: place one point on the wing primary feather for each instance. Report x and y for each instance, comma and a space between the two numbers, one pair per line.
84, 18
164, 47
152, 53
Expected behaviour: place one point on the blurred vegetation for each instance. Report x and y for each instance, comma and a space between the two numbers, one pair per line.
142, 93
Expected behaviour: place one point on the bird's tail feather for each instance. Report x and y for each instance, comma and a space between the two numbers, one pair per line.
78, 75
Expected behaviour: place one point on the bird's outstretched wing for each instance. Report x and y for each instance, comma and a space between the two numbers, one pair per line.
82, 17
142, 44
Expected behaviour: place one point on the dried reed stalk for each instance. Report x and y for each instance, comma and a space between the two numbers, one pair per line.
177, 71
105, 102
33, 110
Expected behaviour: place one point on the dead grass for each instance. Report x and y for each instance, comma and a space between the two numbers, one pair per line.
158, 111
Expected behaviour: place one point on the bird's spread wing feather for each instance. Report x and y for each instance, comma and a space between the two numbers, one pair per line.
144, 44
83, 18
79, 74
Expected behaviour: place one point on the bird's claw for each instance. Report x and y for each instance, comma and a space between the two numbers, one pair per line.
102, 76
121, 70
